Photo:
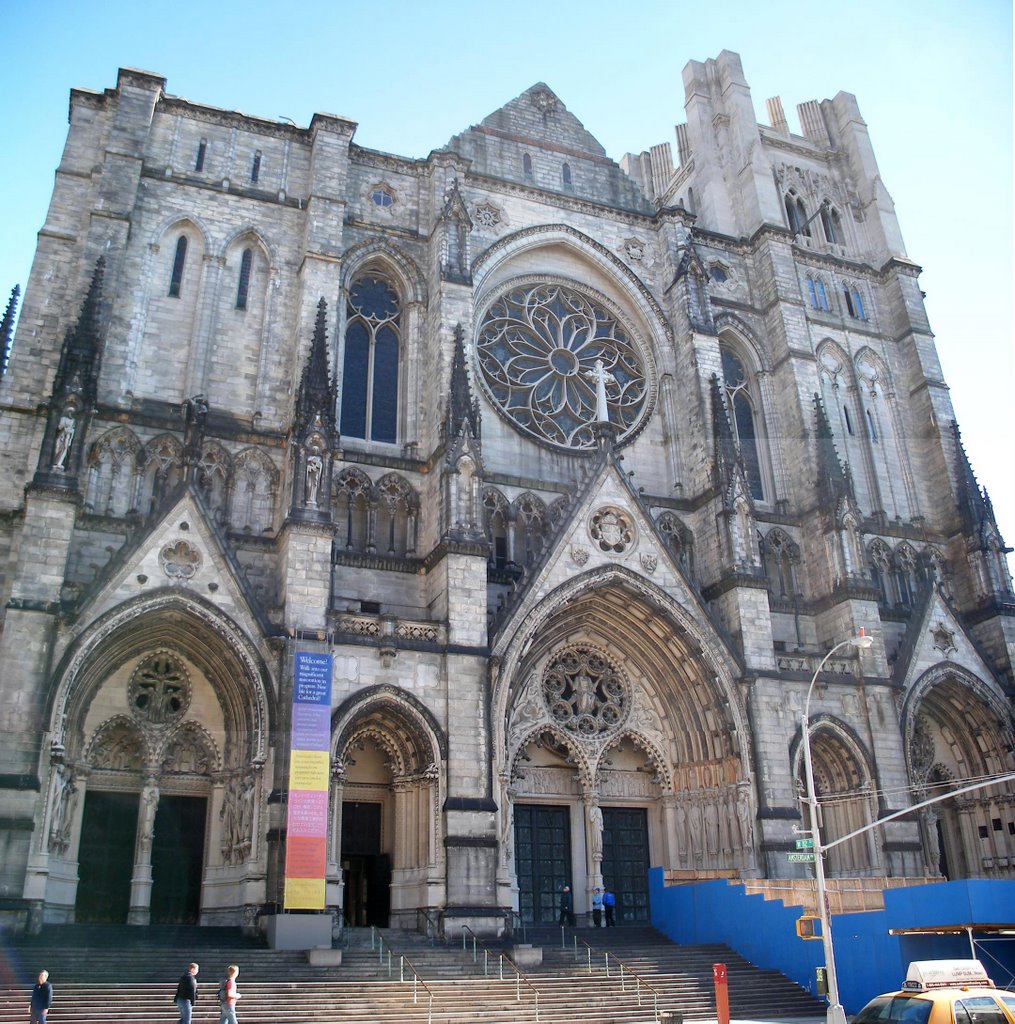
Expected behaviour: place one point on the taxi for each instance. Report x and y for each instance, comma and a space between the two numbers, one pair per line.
942, 992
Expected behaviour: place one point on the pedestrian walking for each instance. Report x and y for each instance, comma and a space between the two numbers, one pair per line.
228, 996
42, 998
186, 993
597, 907
609, 903
567, 907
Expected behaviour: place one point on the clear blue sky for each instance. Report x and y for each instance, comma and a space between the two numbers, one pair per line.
933, 80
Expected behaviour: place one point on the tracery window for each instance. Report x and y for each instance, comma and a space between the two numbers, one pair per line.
496, 520
370, 373
906, 575
854, 303
585, 693
879, 561
796, 214
530, 528
679, 540
397, 507
831, 224
352, 499
743, 418
541, 351
780, 556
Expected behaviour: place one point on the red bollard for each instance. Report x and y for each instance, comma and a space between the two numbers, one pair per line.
722, 994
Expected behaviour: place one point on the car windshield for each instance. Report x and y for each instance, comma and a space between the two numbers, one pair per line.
978, 1010
907, 1009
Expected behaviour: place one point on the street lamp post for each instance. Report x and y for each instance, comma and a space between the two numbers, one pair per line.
836, 1014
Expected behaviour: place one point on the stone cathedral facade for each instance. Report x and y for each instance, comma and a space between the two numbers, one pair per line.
577, 468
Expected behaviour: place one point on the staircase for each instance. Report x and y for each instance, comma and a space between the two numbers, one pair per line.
109, 975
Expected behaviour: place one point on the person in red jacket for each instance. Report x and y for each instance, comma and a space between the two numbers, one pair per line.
230, 994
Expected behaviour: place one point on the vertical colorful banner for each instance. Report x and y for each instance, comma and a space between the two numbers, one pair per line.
307, 829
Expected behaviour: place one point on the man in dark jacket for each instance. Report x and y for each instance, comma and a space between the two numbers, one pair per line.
567, 907
42, 998
186, 993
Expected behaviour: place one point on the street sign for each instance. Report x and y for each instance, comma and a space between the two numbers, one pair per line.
805, 858
805, 844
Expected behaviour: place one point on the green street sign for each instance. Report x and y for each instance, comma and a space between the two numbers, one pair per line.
805, 858
805, 844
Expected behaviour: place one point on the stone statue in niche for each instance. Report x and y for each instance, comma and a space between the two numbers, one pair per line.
146, 816
65, 430
315, 467
229, 816
65, 794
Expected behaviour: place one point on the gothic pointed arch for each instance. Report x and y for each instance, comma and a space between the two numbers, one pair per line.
959, 728
352, 504
531, 527
844, 783
193, 633
388, 259
214, 478
113, 473
161, 471
780, 556
254, 492
745, 409
499, 528
680, 541
397, 515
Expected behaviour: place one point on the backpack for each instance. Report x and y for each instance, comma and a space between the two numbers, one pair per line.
222, 990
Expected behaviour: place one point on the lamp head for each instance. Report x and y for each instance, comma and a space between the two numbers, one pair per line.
863, 642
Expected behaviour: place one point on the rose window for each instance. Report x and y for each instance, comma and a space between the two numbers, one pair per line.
542, 349
159, 690
584, 693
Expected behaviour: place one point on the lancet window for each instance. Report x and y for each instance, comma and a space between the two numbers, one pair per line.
742, 402
370, 369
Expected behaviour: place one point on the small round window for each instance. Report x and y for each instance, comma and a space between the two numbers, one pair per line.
382, 197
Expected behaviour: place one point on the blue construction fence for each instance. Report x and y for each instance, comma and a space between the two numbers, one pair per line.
869, 959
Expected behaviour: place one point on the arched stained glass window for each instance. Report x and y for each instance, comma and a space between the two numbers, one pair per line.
743, 419
176, 279
370, 369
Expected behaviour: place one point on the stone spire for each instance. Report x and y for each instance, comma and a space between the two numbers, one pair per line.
314, 436
834, 480
7, 329
75, 389
975, 507
463, 409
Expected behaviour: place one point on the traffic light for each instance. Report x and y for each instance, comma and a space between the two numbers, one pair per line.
821, 979
808, 927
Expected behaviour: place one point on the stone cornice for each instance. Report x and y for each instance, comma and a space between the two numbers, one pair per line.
231, 119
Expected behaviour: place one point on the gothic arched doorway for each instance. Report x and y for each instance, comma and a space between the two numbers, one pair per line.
155, 770
385, 855
958, 732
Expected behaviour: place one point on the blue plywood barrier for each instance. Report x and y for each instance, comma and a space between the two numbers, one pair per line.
868, 958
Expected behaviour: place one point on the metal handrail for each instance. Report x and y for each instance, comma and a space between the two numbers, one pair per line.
502, 958
514, 915
403, 961
431, 928
624, 969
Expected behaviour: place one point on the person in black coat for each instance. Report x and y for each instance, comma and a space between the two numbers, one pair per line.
186, 993
42, 998
567, 907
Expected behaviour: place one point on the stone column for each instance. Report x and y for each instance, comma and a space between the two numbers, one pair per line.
141, 880
671, 851
334, 875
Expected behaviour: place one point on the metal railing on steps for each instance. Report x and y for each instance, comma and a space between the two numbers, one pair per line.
502, 958
623, 969
377, 942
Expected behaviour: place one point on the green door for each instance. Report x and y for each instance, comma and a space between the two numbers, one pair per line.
542, 860
178, 859
625, 861
106, 857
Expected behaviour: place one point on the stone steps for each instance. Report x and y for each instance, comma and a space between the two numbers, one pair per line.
123, 976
